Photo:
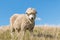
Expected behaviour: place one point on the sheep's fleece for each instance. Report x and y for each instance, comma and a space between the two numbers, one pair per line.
21, 21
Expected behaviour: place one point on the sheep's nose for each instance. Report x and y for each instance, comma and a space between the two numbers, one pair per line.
32, 18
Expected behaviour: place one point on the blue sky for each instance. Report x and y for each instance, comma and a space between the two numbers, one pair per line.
48, 11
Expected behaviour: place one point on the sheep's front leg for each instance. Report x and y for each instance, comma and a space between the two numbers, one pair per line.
31, 34
21, 35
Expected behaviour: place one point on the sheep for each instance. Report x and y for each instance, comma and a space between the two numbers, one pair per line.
21, 22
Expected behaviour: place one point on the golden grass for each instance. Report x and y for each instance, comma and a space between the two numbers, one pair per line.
39, 33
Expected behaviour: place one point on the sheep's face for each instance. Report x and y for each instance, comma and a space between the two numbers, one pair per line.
31, 12
31, 16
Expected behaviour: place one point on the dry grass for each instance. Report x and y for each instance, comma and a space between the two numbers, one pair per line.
39, 33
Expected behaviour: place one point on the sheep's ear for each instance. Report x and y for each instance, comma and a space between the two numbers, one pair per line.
36, 12
26, 13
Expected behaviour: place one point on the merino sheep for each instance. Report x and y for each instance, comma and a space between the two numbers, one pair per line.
22, 22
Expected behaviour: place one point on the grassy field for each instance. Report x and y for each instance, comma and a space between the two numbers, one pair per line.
39, 33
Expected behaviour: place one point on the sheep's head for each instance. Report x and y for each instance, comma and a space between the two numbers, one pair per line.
31, 12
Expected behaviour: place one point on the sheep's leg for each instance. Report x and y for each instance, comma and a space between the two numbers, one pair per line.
21, 35
31, 35
12, 35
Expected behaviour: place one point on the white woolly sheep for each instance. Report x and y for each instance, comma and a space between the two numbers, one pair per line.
22, 22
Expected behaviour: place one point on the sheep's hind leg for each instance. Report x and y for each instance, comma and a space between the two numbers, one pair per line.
12, 34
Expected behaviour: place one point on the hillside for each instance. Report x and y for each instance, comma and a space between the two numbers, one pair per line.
40, 33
